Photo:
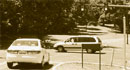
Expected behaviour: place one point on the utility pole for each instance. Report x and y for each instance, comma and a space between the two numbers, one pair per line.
124, 1
127, 24
124, 26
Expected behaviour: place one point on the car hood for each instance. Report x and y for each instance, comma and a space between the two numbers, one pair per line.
23, 48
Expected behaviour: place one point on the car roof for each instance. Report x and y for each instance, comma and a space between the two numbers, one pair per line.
84, 36
36, 39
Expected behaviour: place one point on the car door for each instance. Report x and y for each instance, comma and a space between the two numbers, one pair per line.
72, 43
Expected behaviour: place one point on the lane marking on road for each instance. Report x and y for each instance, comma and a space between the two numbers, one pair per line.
54, 68
54, 62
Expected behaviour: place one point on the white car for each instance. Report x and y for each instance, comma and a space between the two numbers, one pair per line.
27, 50
90, 43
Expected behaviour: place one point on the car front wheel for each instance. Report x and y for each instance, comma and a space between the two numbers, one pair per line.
60, 49
10, 65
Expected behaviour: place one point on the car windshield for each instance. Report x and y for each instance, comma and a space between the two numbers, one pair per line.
25, 43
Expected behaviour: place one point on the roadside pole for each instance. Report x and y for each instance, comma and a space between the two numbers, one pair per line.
112, 57
82, 56
127, 39
124, 26
127, 25
100, 60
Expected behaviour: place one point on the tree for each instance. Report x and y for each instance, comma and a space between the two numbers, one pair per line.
36, 17
9, 17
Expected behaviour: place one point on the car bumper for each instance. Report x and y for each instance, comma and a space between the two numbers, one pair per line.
96, 47
24, 58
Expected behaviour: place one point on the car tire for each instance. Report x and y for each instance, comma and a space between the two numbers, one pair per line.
46, 64
90, 51
93, 51
10, 65
42, 63
60, 49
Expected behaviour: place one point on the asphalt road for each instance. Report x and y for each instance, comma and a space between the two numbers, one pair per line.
71, 56
112, 41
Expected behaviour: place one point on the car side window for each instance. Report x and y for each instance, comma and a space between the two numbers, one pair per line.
86, 39
91, 39
72, 39
68, 40
99, 40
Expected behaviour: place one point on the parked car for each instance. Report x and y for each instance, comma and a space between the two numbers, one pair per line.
27, 50
90, 43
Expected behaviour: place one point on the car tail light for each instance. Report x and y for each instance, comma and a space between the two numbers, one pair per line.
33, 52
12, 51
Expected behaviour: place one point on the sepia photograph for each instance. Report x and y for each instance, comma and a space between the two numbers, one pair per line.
64, 34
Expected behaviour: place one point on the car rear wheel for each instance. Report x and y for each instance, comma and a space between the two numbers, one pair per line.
42, 63
60, 49
90, 51
10, 65
48, 59
46, 64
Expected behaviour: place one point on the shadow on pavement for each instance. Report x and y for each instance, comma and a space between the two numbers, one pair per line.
83, 52
2, 58
88, 33
108, 26
98, 53
32, 67
93, 28
117, 31
111, 47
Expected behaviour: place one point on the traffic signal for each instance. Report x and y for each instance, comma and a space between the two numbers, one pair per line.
105, 6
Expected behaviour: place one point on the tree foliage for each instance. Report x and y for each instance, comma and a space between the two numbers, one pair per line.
36, 17
115, 15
